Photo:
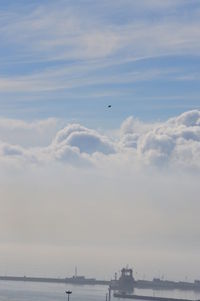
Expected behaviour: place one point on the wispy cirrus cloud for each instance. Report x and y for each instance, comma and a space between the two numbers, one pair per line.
62, 78
89, 47
64, 32
71, 51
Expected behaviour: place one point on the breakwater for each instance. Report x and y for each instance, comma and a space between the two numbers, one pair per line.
72, 280
159, 284
148, 298
155, 284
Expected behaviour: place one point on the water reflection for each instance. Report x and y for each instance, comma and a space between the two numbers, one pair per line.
21, 291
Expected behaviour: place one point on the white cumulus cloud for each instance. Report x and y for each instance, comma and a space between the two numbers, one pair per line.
175, 142
84, 139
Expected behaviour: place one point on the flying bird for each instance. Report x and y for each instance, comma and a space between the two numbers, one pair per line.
109, 106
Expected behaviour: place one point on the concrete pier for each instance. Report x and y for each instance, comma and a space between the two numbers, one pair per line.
148, 298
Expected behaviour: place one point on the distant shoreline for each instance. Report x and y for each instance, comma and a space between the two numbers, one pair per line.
156, 284
73, 280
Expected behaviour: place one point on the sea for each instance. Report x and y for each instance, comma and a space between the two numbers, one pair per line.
32, 291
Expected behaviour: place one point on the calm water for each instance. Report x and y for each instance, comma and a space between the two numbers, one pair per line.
21, 291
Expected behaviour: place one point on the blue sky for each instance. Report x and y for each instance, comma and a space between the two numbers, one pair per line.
69, 59
85, 185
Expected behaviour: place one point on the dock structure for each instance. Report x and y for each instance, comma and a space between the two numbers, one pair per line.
126, 282
148, 298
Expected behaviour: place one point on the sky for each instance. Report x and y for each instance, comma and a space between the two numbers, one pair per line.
83, 184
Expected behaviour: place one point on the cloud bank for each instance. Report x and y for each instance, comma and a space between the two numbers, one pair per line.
100, 200
175, 142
